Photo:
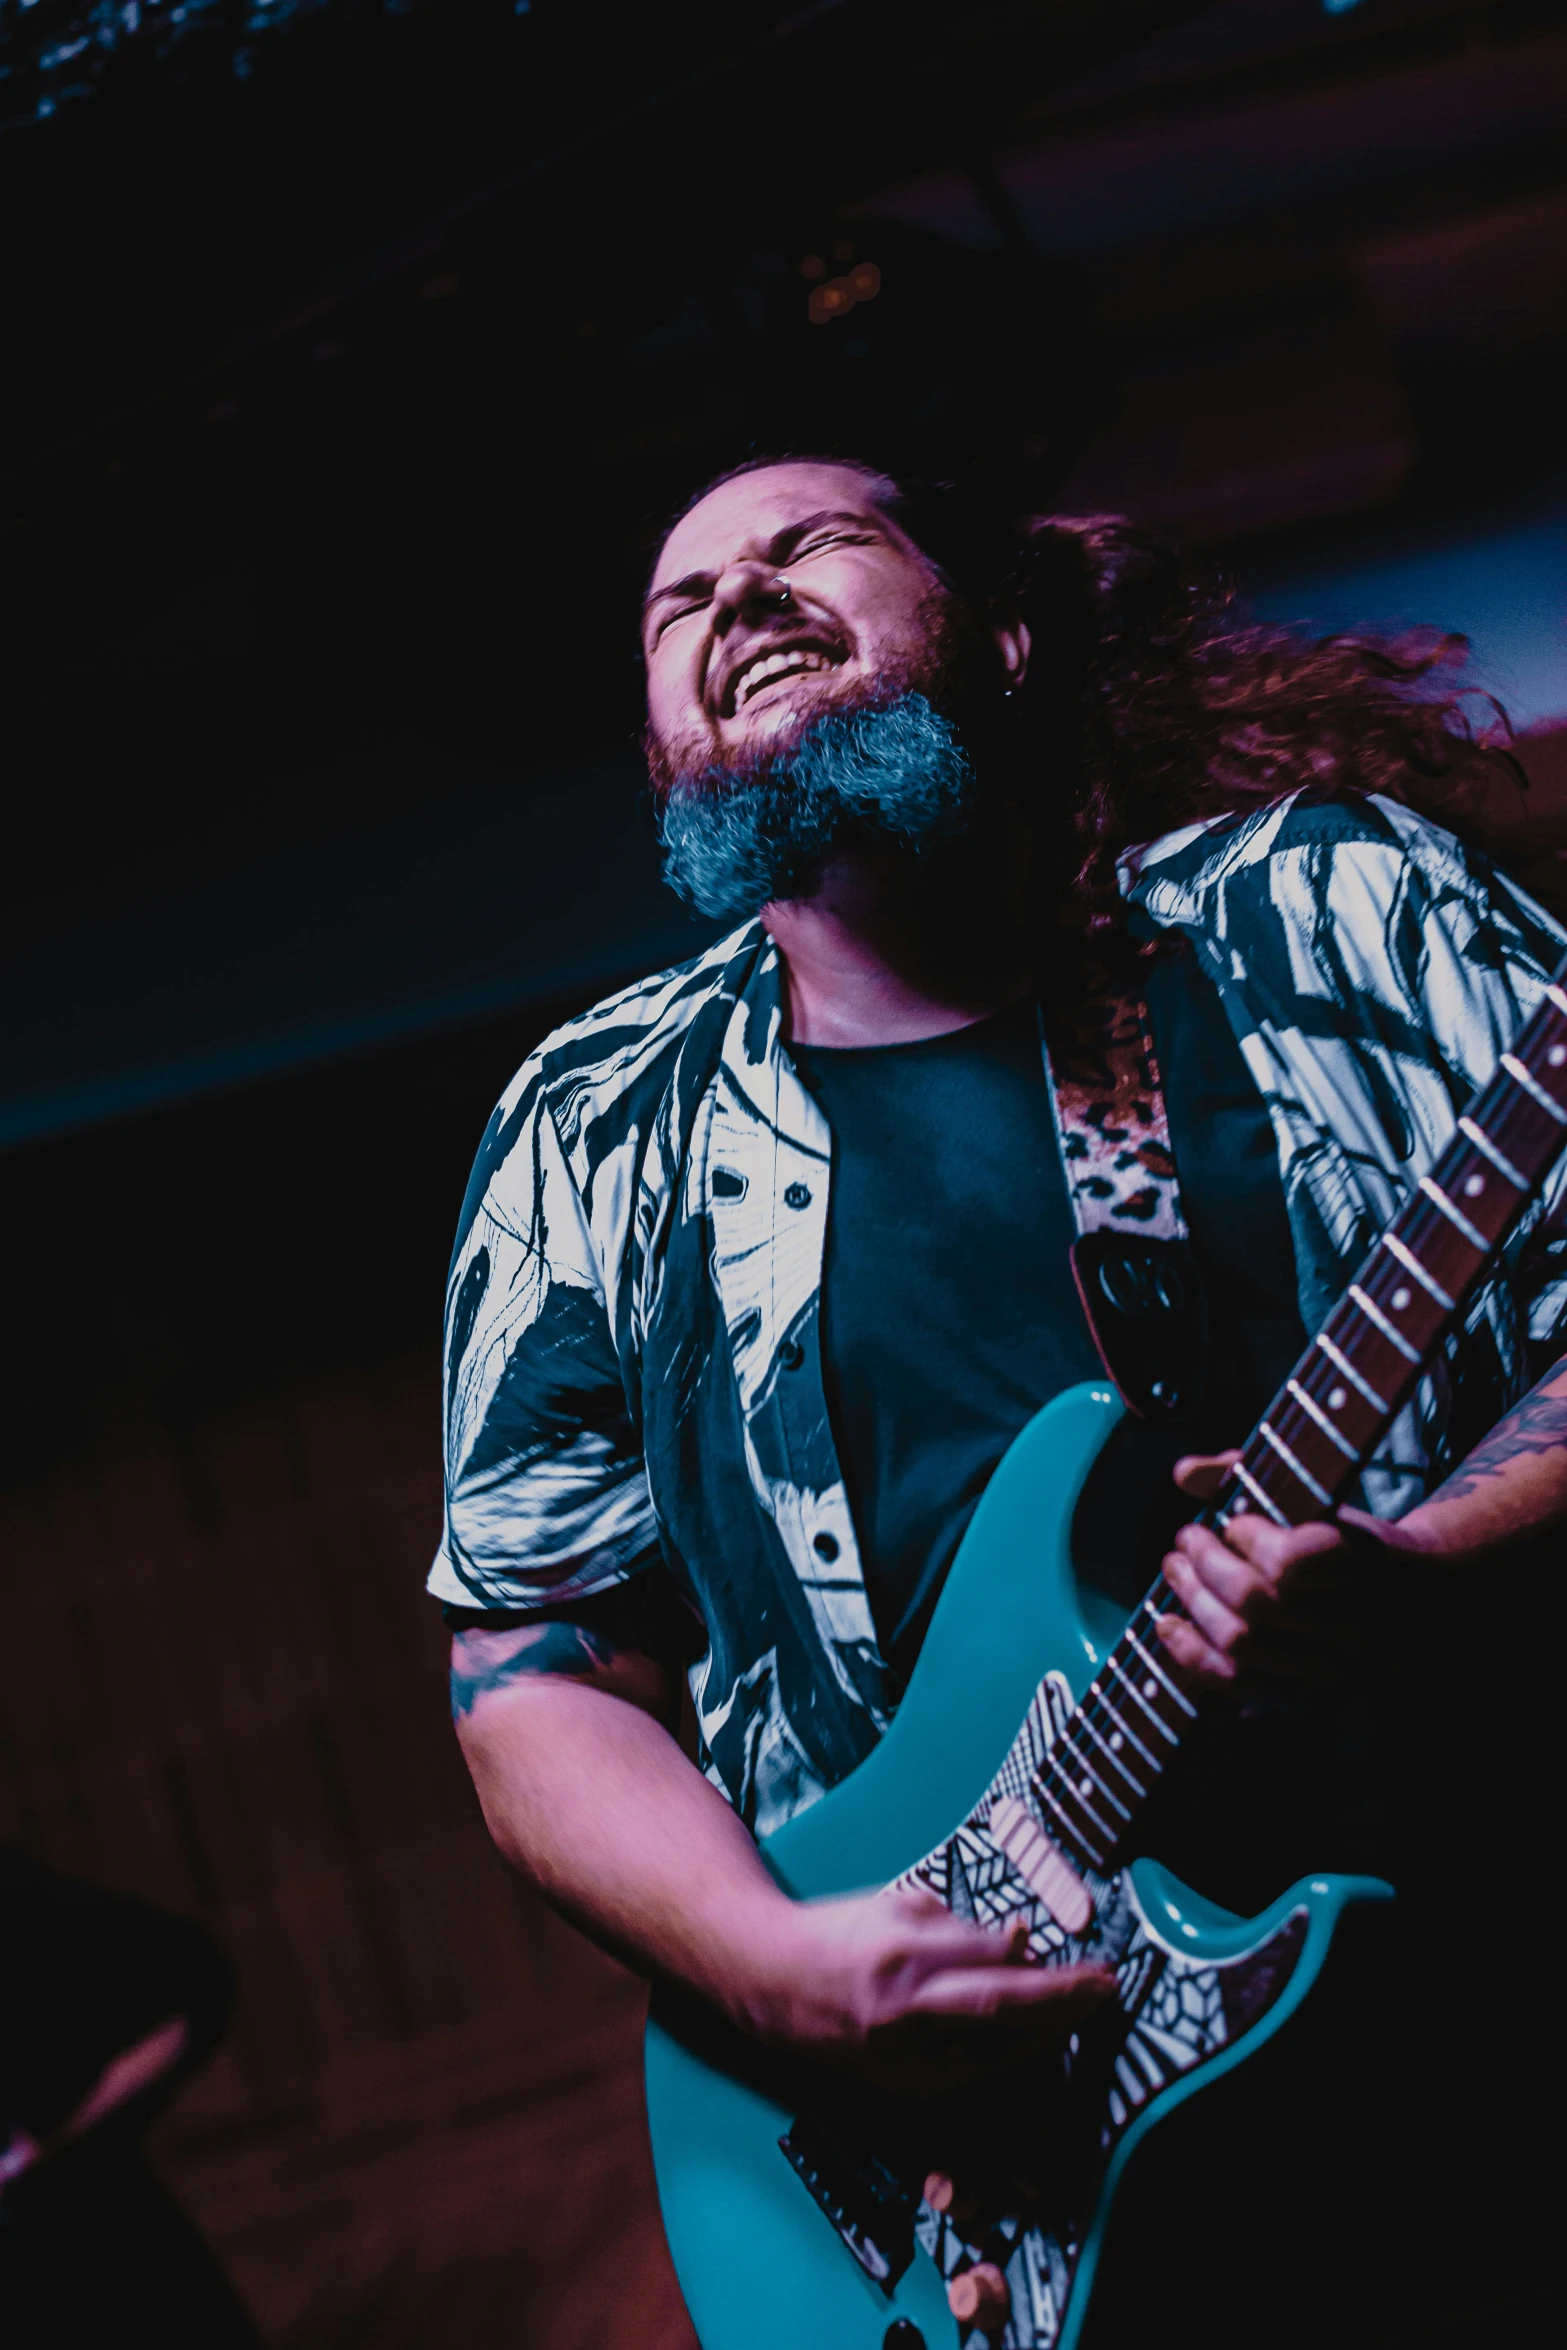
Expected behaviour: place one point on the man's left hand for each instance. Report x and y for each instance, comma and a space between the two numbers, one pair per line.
1267, 1607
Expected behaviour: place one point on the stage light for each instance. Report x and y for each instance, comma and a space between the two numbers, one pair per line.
813, 266
865, 281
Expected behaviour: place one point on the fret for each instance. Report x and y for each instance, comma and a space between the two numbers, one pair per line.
1139, 1791
1374, 1313
1244, 1476
1123, 1729
1067, 1788
1455, 1216
1159, 1672
1080, 1762
1314, 1411
1073, 1842
1158, 1721
1488, 1150
1297, 1469
1411, 1264
1531, 1085
1342, 1363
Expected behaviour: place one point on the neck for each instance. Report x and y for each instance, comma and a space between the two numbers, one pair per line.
874, 959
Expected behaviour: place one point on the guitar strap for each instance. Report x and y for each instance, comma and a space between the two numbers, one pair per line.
1136, 1273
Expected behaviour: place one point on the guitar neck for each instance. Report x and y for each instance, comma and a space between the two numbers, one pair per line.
1327, 1420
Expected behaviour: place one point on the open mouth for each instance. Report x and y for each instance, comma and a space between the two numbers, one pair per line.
783, 663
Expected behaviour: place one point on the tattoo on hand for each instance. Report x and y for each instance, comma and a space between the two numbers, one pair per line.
1537, 1425
485, 1661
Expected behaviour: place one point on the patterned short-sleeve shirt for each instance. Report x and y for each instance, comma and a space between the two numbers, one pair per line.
633, 1371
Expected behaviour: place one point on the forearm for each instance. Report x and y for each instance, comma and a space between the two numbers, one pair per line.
592, 1801
1512, 1485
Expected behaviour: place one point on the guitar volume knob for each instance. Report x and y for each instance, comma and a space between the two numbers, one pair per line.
979, 2297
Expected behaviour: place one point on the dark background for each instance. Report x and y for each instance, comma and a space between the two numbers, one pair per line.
353, 353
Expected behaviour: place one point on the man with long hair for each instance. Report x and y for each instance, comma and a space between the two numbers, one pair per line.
766, 1261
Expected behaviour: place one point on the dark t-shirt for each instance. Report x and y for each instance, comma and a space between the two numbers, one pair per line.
950, 1314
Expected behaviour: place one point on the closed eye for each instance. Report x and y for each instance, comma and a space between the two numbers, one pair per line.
674, 612
831, 538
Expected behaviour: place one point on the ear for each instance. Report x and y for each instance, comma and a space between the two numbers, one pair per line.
1014, 644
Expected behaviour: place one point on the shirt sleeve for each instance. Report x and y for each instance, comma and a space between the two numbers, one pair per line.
1469, 953
546, 1492
1483, 976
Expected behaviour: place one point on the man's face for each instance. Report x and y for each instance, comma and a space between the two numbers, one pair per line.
734, 657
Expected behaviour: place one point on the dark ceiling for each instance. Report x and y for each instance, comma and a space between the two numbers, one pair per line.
354, 350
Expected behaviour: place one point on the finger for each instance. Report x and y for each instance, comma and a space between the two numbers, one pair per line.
1198, 1659
935, 1938
1213, 1610
1202, 1473
1275, 1551
1067, 1993
1235, 1581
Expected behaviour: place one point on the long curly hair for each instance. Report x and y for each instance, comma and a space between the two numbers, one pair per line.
1150, 702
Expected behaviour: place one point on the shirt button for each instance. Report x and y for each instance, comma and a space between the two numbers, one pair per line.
826, 1547
791, 1354
797, 1196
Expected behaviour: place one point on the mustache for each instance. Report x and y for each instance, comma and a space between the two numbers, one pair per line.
749, 768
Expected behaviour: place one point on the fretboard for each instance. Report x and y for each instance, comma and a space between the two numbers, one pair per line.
1327, 1420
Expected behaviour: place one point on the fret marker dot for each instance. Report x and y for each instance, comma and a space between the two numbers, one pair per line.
1400, 1300
1116, 1742
1085, 1787
1473, 1186
1337, 1399
1556, 1055
1150, 1688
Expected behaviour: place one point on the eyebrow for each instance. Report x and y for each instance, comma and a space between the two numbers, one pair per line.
779, 548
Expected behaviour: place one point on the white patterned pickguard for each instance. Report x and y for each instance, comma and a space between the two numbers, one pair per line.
1176, 2008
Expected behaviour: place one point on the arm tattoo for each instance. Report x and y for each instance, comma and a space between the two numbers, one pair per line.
485, 1661
1537, 1425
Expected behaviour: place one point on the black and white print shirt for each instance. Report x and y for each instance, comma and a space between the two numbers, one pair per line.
633, 1374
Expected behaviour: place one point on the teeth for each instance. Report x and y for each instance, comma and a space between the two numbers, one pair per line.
759, 673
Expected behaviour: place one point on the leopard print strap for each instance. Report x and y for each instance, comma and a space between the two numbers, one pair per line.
1111, 1122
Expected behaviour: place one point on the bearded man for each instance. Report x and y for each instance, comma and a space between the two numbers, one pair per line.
767, 1260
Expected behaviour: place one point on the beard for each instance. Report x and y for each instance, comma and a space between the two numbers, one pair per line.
888, 770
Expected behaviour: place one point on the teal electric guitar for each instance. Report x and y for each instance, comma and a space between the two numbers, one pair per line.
822, 2223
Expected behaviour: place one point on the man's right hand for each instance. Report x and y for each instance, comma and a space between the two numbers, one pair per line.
893, 1985
591, 1798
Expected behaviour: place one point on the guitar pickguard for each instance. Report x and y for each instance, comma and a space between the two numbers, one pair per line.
1175, 2012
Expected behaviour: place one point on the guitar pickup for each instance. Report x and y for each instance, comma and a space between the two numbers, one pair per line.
868, 2205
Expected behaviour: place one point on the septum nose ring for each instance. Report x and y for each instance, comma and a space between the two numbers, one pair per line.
783, 587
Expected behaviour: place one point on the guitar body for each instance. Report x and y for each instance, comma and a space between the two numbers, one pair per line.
770, 2251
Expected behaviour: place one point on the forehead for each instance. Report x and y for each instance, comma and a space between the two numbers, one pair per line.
753, 510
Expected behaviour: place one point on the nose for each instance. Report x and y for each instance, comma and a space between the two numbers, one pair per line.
748, 591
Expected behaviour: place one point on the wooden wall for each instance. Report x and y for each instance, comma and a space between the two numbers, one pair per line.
221, 1687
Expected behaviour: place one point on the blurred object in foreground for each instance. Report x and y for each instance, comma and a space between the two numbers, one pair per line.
106, 2004
225, 1688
